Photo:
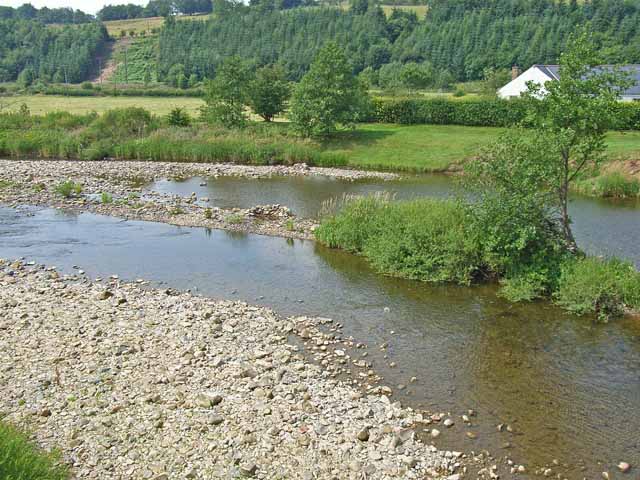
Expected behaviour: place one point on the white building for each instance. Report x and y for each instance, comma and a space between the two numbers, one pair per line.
541, 74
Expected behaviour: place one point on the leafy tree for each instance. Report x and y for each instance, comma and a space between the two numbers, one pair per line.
268, 92
226, 94
493, 79
147, 76
522, 181
328, 96
193, 80
573, 115
27, 77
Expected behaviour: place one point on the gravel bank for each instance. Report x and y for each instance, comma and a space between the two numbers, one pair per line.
34, 182
131, 382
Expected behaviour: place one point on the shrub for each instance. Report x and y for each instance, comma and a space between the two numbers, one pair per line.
106, 198
68, 188
605, 288
483, 112
178, 117
423, 239
459, 93
86, 86
19, 459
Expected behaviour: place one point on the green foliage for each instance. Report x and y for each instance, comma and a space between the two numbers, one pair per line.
483, 112
268, 92
208, 213
227, 94
614, 184
329, 95
68, 188
493, 79
514, 215
140, 65
234, 219
106, 198
29, 51
573, 115
605, 288
20, 459
87, 86
179, 117
459, 93
422, 239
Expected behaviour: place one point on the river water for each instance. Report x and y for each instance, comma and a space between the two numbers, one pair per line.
569, 388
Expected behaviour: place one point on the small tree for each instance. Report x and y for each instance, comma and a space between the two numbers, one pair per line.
147, 76
193, 80
269, 92
493, 79
328, 96
573, 114
226, 94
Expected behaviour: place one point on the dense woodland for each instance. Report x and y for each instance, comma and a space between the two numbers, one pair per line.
30, 51
460, 37
45, 15
155, 8
458, 40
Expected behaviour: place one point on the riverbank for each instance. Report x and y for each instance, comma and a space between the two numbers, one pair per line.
131, 382
115, 188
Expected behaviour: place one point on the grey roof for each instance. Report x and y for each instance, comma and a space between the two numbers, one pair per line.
553, 72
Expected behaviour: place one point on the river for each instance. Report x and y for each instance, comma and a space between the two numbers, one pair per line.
569, 388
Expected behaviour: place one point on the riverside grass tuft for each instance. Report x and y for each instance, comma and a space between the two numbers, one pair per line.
434, 240
21, 460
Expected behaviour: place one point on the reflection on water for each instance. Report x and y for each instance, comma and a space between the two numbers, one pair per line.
602, 227
569, 388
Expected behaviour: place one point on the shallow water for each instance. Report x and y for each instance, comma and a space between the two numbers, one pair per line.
570, 388
602, 227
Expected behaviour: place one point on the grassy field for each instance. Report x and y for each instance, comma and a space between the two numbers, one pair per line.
39, 104
420, 10
433, 148
143, 25
21, 460
424, 148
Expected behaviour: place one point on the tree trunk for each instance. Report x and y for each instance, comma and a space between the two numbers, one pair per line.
564, 206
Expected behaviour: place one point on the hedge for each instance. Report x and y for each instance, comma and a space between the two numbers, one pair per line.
111, 91
477, 113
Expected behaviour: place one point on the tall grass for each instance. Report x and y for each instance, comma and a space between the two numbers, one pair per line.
21, 460
613, 185
133, 134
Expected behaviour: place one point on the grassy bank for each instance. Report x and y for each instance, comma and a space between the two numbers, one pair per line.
438, 241
410, 148
21, 460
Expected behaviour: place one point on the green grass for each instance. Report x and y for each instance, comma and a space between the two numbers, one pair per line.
41, 104
21, 460
435, 148
418, 148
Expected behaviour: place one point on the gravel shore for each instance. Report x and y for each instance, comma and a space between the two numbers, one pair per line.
34, 182
131, 382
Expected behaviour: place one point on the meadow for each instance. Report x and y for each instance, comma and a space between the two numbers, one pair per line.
41, 104
411, 148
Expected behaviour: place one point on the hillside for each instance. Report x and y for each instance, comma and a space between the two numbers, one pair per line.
457, 40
